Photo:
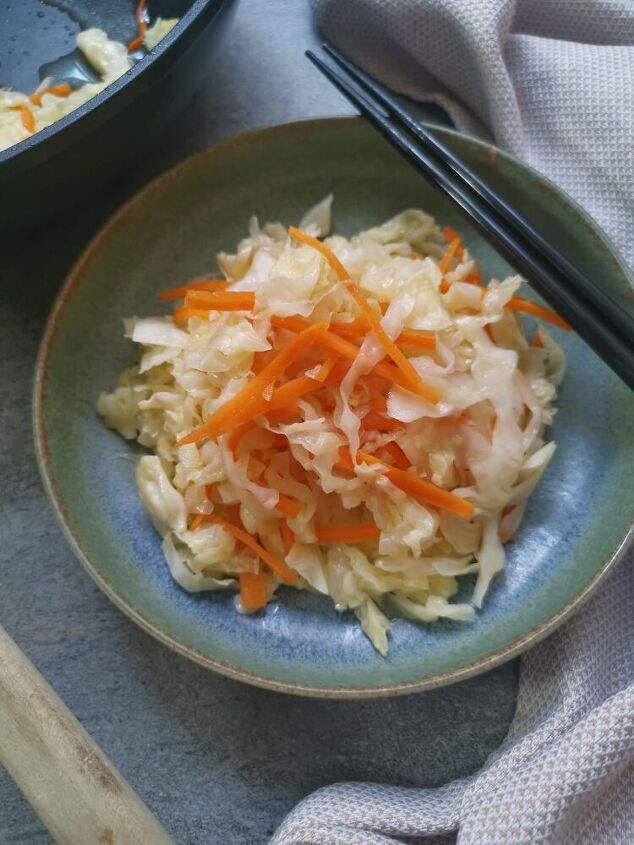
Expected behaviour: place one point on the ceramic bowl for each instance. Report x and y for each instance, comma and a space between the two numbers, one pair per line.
576, 525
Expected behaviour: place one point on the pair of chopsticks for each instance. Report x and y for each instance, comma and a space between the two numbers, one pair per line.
591, 312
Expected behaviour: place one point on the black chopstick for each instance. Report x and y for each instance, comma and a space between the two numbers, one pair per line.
595, 316
619, 318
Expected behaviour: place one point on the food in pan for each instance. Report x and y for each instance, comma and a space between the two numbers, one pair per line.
22, 115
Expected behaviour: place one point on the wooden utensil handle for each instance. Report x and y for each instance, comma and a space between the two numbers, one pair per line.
70, 783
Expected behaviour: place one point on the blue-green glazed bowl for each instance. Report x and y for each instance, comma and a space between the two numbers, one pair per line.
577, 523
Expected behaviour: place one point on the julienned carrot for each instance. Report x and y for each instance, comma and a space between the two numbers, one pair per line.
237, 434
181, 315
397, 454
379, 405
209, 491
141, 22
424, 490
417, 385
61, 90
230, 300
416, 340
214, 285
289, 507
223, 420
281, 413
415, 487
453, 249
528, 307
345, 460
196, 522
357, 330
276, 565
451, 235
288, 538
326, 368
411, 376
536, 342
343, 348
348, 533
380, 423
26, 116
475, 277
328, 254
252, 590
281, 397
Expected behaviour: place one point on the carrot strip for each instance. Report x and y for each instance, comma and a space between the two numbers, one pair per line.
357, 330
423, 490
209, 491
196, 522
536, 342
252, 590
348, 533
26, 116
397, 454
258, 362
281, 413
141, 20
475, 277
237, 434
181, 315
343, 348
451, 235
517, 303
453, 250
214, 285
345, 460
328, 254
378, 405
289, 507
391, 349
223, 419
61, 90
276, 565
281, 397
326, 368
415, 487
380, 423
288, 538
230, 300
417, 340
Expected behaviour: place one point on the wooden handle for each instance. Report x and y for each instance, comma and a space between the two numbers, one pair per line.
70, 783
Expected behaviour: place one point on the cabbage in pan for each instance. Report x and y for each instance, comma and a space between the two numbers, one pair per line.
22, 115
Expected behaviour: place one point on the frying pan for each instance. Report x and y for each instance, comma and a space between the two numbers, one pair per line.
68, 160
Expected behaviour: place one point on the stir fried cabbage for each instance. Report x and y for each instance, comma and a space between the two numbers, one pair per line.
22, 115
321, 466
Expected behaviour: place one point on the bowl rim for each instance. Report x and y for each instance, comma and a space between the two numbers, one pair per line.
72, 281
31, 151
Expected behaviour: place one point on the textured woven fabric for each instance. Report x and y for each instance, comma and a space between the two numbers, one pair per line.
552, 81
565, 773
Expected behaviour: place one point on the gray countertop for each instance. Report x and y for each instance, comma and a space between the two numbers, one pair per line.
217, 761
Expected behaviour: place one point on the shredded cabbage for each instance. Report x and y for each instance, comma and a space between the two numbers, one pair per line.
483, 440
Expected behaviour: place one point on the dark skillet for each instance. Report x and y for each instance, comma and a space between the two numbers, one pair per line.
55, 168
